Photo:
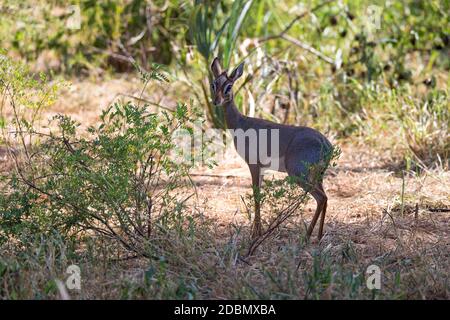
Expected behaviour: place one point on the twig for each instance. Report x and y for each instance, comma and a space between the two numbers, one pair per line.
115, 55
281, 217
125, 258
439, 209
146, 101
214, 175
308, 48
298, 17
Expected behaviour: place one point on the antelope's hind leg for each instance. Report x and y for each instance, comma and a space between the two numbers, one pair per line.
321, 198
303, 172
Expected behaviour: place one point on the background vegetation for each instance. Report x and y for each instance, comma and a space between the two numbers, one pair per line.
109, 198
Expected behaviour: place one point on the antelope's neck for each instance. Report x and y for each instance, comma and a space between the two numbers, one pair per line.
232, 115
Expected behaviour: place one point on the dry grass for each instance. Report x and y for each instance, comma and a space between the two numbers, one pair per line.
364, 226
367, 223
364, 214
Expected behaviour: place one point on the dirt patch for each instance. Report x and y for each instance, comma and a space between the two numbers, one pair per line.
374, 216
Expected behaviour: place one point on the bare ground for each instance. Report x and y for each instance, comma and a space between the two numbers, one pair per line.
365, 213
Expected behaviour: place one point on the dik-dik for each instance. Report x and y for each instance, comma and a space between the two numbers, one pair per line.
297, 151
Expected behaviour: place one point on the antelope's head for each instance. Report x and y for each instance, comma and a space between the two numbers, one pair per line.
222, 84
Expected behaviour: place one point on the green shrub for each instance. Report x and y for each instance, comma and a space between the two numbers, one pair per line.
117, 180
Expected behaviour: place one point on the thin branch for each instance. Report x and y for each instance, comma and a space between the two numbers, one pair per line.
279, 219
305, 46
308, 48
145, 100
115, 55
297, 18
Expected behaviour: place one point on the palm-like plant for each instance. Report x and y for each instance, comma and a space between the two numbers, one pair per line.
211, 32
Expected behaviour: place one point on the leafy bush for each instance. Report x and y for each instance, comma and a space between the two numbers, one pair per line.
116, 180
111, 33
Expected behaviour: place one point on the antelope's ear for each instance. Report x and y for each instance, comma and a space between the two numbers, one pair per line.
237, 72
216, 68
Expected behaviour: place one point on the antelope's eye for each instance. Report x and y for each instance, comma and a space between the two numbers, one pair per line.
213, 87
227, 89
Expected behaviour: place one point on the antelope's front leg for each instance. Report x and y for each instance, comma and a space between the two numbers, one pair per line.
256, 185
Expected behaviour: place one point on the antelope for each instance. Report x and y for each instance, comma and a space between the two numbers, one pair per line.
297, 150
